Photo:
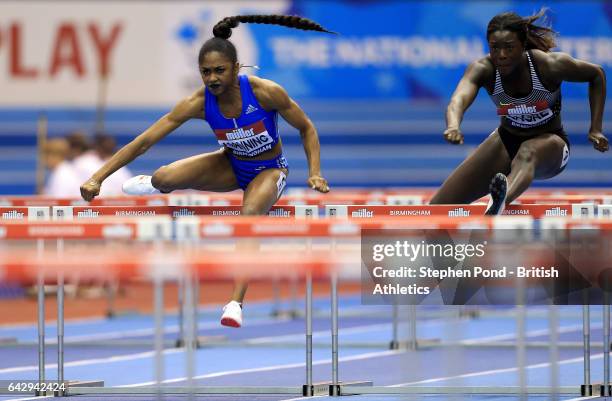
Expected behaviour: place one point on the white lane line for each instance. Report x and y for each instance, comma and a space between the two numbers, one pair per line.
270, 368
325, 333
263, 340
113, 335
496, 371
532, 333
93, 361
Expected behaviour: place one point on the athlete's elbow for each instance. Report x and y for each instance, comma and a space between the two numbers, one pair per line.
599, 76
602, 73
307, 130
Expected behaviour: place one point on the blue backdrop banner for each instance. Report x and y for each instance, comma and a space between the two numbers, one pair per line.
411, 49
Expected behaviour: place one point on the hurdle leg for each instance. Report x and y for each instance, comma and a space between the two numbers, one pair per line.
308, 390
605, 389
40, 246
586, 389
293, 290
412, 335
60, 323
180, 341
334, 327
158, 297
196, 302
521, 347
276, 298
111, 294
394, 344
190, 339
553, 326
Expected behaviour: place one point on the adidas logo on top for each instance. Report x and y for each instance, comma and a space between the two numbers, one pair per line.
250, 109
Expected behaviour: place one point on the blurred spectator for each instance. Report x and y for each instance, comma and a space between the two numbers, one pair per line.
62, 181
89, 162
79, 144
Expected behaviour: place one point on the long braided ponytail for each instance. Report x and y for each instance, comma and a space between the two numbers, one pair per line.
223, 31
531, 35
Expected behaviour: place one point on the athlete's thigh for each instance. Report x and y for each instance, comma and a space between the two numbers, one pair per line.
263, 191
550, 153
470, 181
205, 172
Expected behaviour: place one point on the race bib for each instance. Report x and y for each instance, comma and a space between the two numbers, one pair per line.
250, 140
526, 115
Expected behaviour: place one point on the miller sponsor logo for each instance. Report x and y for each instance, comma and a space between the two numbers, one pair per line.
519, 109
555, 211
240, 133
250, 140
522, 109
458, 212
13, 215
183, 212
279, 213
362, 213
88, 213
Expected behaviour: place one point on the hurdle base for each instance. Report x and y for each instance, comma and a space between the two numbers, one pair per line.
415, 345
78, 383
8, 341
286, 314
316, 389
603, 392
336, 390
586, 390
470, 314
203, 341
328, 388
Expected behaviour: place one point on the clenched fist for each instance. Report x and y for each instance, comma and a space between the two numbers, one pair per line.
318, 183
90, 189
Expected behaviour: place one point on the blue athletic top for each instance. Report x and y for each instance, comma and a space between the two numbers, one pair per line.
251, 134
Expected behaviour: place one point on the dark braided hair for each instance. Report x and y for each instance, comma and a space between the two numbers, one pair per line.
223, 30
532, 36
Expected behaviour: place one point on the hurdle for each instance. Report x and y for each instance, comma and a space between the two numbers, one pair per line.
223, 228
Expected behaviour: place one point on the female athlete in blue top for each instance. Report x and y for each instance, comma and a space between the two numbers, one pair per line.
242, 112
523, 78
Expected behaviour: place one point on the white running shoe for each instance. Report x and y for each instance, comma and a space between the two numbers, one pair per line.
139, 185
232, 315
498, 189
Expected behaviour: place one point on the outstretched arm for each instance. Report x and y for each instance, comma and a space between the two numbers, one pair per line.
190, 107
278, 99
462, 98
570, 69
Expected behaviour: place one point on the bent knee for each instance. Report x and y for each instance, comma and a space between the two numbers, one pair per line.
252, 210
